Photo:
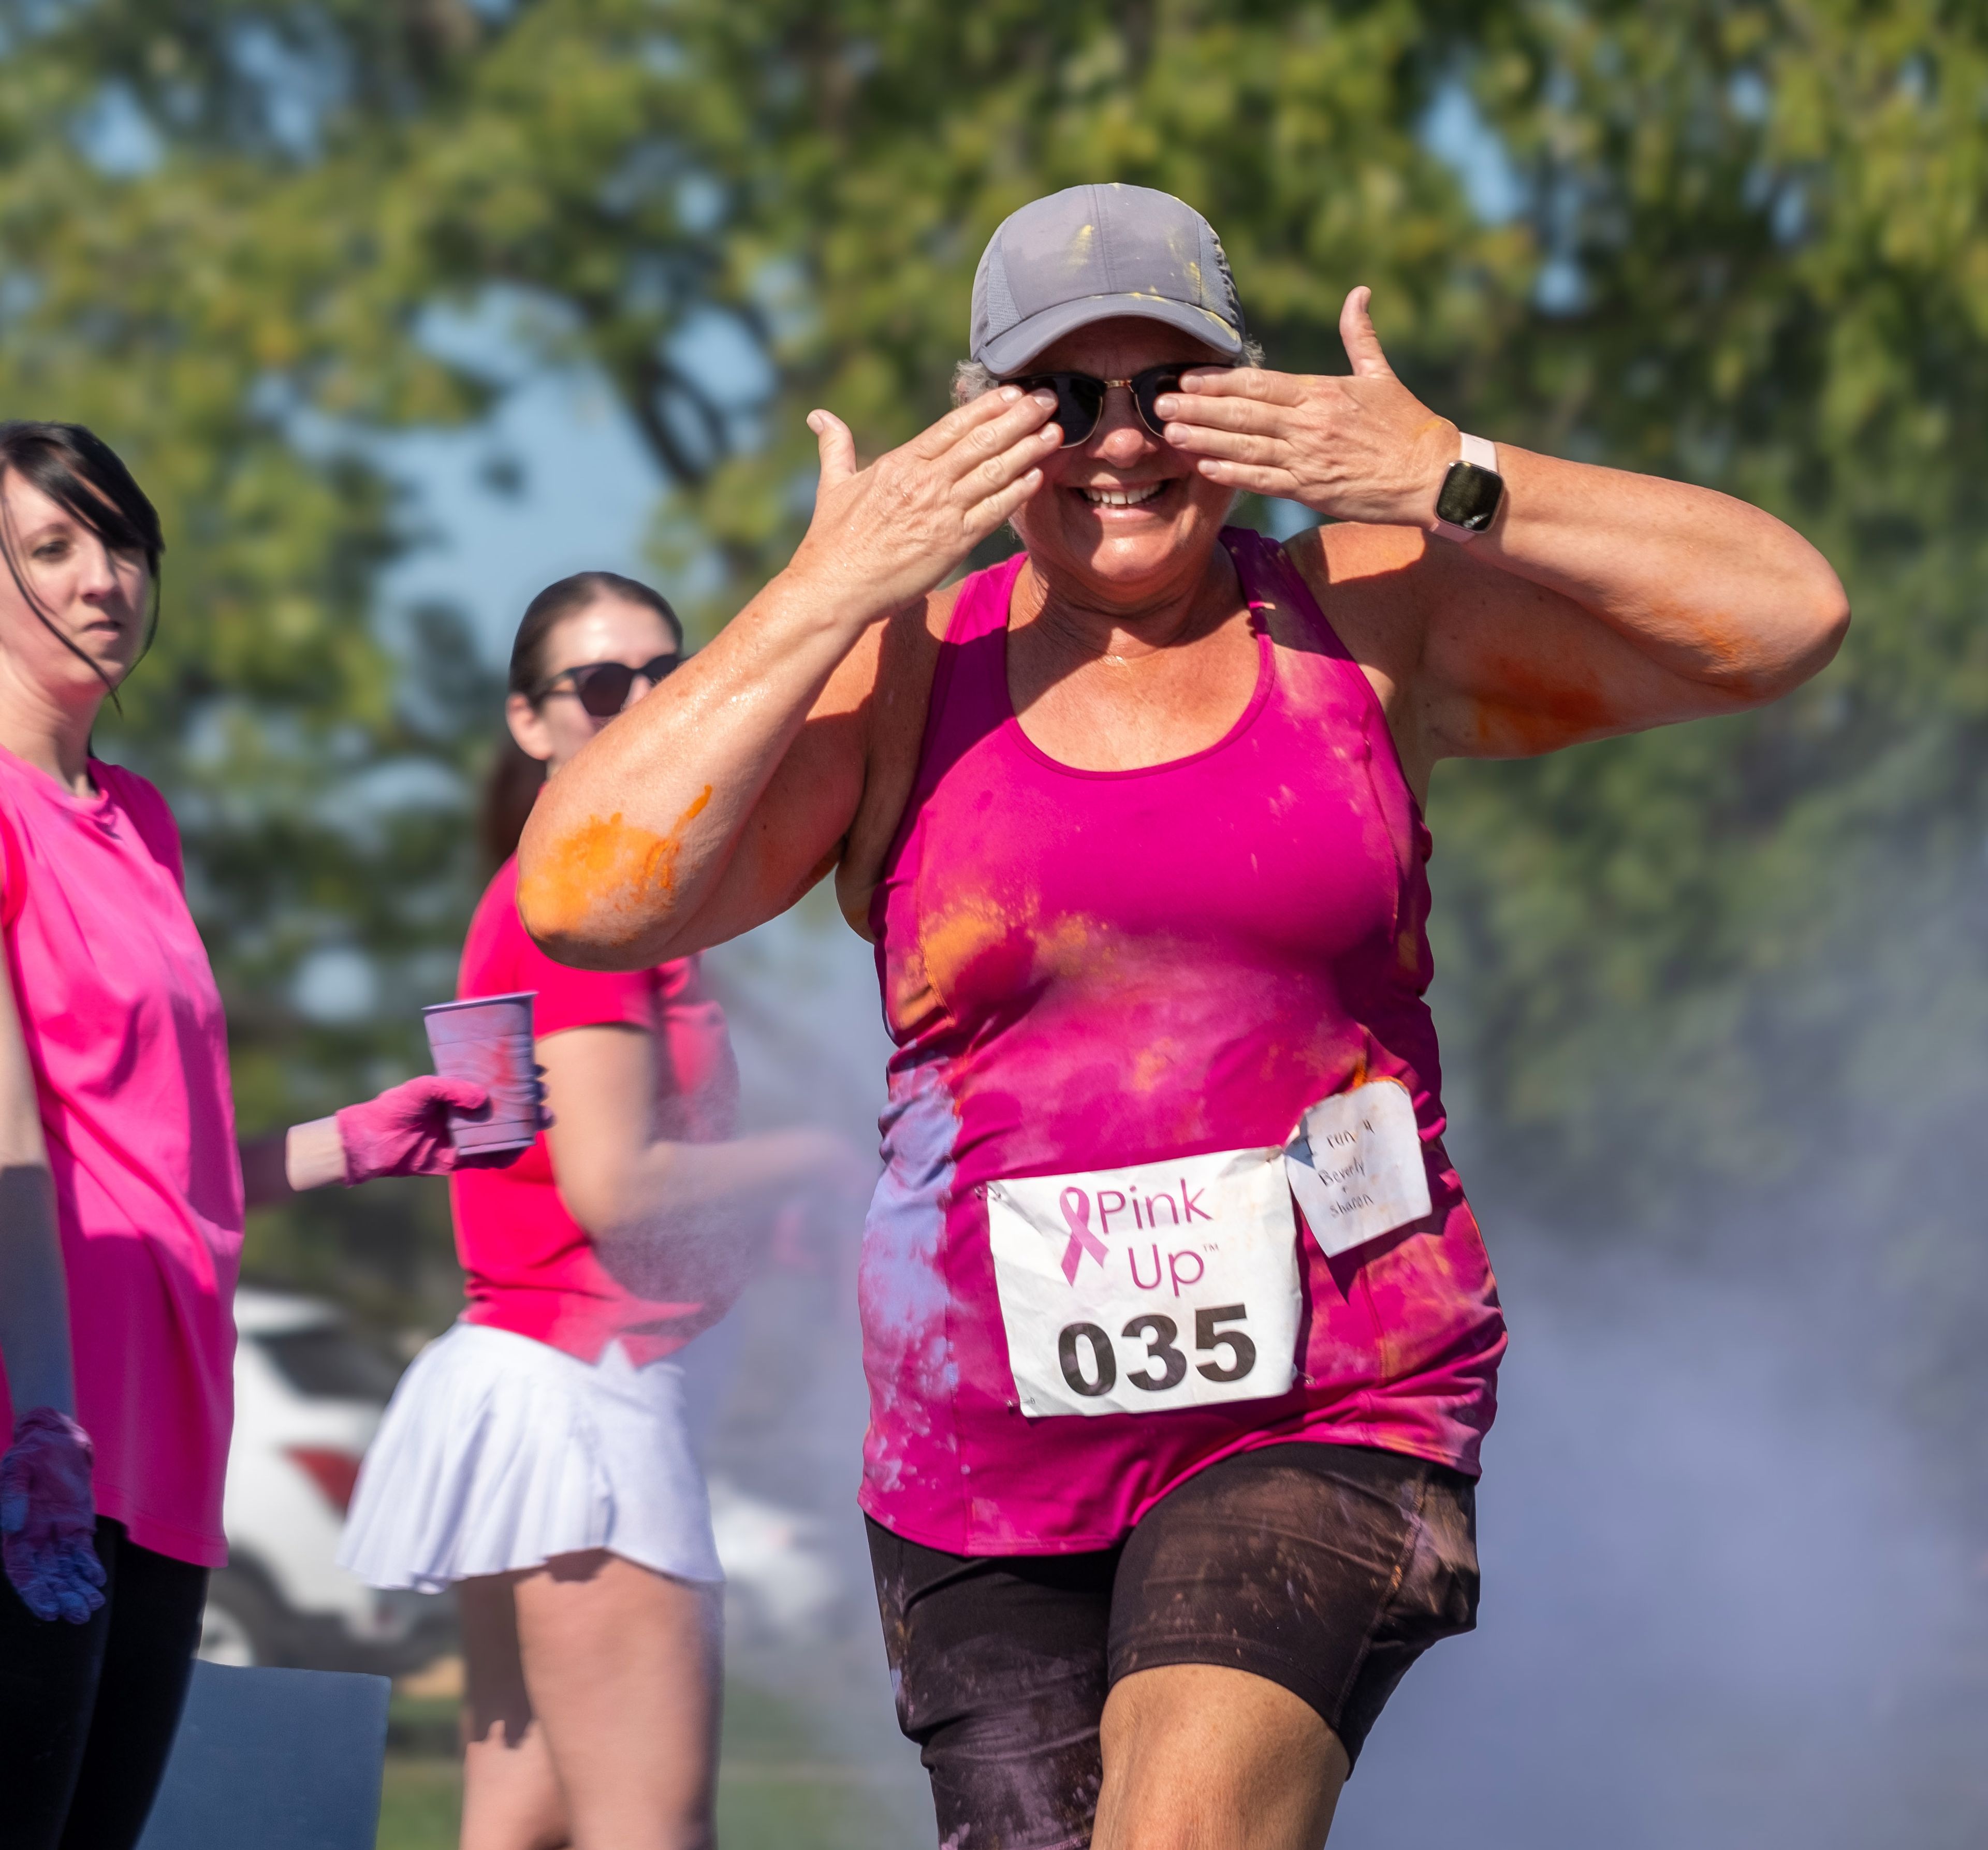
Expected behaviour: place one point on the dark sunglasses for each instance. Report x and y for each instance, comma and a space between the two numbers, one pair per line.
1080, 398
602, 687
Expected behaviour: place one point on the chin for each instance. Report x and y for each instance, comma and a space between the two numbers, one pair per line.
1133, 558
83, 680
1135, 568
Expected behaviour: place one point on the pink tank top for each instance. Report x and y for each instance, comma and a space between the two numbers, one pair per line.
1085, 970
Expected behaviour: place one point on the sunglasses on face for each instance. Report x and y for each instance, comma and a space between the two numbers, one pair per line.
1080, 397
602, 687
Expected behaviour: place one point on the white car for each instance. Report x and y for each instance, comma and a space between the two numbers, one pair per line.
308, 1397
781, 1583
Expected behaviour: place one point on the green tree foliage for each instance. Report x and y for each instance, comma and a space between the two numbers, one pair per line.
1740, 241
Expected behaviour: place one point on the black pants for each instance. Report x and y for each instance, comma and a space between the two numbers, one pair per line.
88, 1713
1327, 1569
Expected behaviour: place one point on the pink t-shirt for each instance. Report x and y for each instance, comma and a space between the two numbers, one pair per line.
531, 1267
124, 1030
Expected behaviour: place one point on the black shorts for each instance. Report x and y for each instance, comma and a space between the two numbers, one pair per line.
1328, 1569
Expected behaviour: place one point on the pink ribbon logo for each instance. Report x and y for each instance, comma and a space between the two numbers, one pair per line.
1082, 1240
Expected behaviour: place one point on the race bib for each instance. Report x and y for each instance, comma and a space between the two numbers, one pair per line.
1168, 1284
1356, 1165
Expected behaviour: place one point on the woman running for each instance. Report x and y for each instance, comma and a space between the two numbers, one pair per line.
121, 1187
1180, 1337
537, 1456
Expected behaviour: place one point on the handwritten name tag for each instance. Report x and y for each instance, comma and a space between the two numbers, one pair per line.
1356, 1165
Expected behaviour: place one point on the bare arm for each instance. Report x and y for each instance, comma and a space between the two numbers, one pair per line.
677, 1214
1600, 602
34, 1291
404, 1132
306, 1156
724, 793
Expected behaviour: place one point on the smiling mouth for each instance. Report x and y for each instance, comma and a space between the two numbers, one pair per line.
1123, 498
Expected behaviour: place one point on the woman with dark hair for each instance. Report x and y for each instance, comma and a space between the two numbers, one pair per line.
537, 1456
1181, 1337
122, 1188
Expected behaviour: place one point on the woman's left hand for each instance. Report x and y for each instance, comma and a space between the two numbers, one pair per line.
1358, 447
47, 1521
404, 1131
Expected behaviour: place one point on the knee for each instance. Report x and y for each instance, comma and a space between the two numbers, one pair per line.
1198, 1758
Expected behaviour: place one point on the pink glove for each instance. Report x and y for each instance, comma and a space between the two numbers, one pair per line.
47, 1524
404, 1131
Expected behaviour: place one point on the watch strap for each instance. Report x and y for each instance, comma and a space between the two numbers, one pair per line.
1481, 453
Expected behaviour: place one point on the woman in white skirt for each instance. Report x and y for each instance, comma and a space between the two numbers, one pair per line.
537, 1456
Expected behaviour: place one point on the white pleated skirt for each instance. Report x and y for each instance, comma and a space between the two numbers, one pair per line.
498, 1452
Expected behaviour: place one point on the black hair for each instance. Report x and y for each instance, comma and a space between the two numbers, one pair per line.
76, 469
512, 786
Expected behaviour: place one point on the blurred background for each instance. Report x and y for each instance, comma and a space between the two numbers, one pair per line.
400, 309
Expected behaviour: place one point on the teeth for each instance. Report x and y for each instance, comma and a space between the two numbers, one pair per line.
1122, 498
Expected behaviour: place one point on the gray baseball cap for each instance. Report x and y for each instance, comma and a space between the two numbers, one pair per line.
1091, 252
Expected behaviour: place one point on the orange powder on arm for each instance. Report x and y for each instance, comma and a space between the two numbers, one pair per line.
1531, 712
606, 882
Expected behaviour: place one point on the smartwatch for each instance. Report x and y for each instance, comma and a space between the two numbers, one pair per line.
1471, 491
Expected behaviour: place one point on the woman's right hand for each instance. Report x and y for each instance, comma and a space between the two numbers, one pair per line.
882, 535
823, 1217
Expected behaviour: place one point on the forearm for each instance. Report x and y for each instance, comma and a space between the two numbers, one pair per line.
306, 1156
1705, 586
629, 841
34, 1294
683, 1190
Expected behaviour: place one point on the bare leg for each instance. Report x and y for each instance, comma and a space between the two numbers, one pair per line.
624, 1668
1198, 1756
511, 1797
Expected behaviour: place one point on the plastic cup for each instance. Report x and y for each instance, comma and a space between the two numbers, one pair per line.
489, 1038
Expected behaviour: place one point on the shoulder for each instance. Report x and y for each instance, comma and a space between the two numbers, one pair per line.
151, 814
1349, 556
496, 935
139, 795
499, 902
498, 958
1375, 585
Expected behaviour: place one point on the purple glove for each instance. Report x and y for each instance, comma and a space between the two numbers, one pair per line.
47, 1524
404, 1131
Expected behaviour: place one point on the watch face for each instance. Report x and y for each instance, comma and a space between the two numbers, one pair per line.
1470, 496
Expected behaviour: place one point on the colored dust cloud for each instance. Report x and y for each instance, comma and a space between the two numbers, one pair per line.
607, 880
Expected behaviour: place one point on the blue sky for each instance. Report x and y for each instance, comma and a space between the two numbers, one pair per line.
588, 492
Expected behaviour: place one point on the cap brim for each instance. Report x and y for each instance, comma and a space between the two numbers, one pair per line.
1010, 352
